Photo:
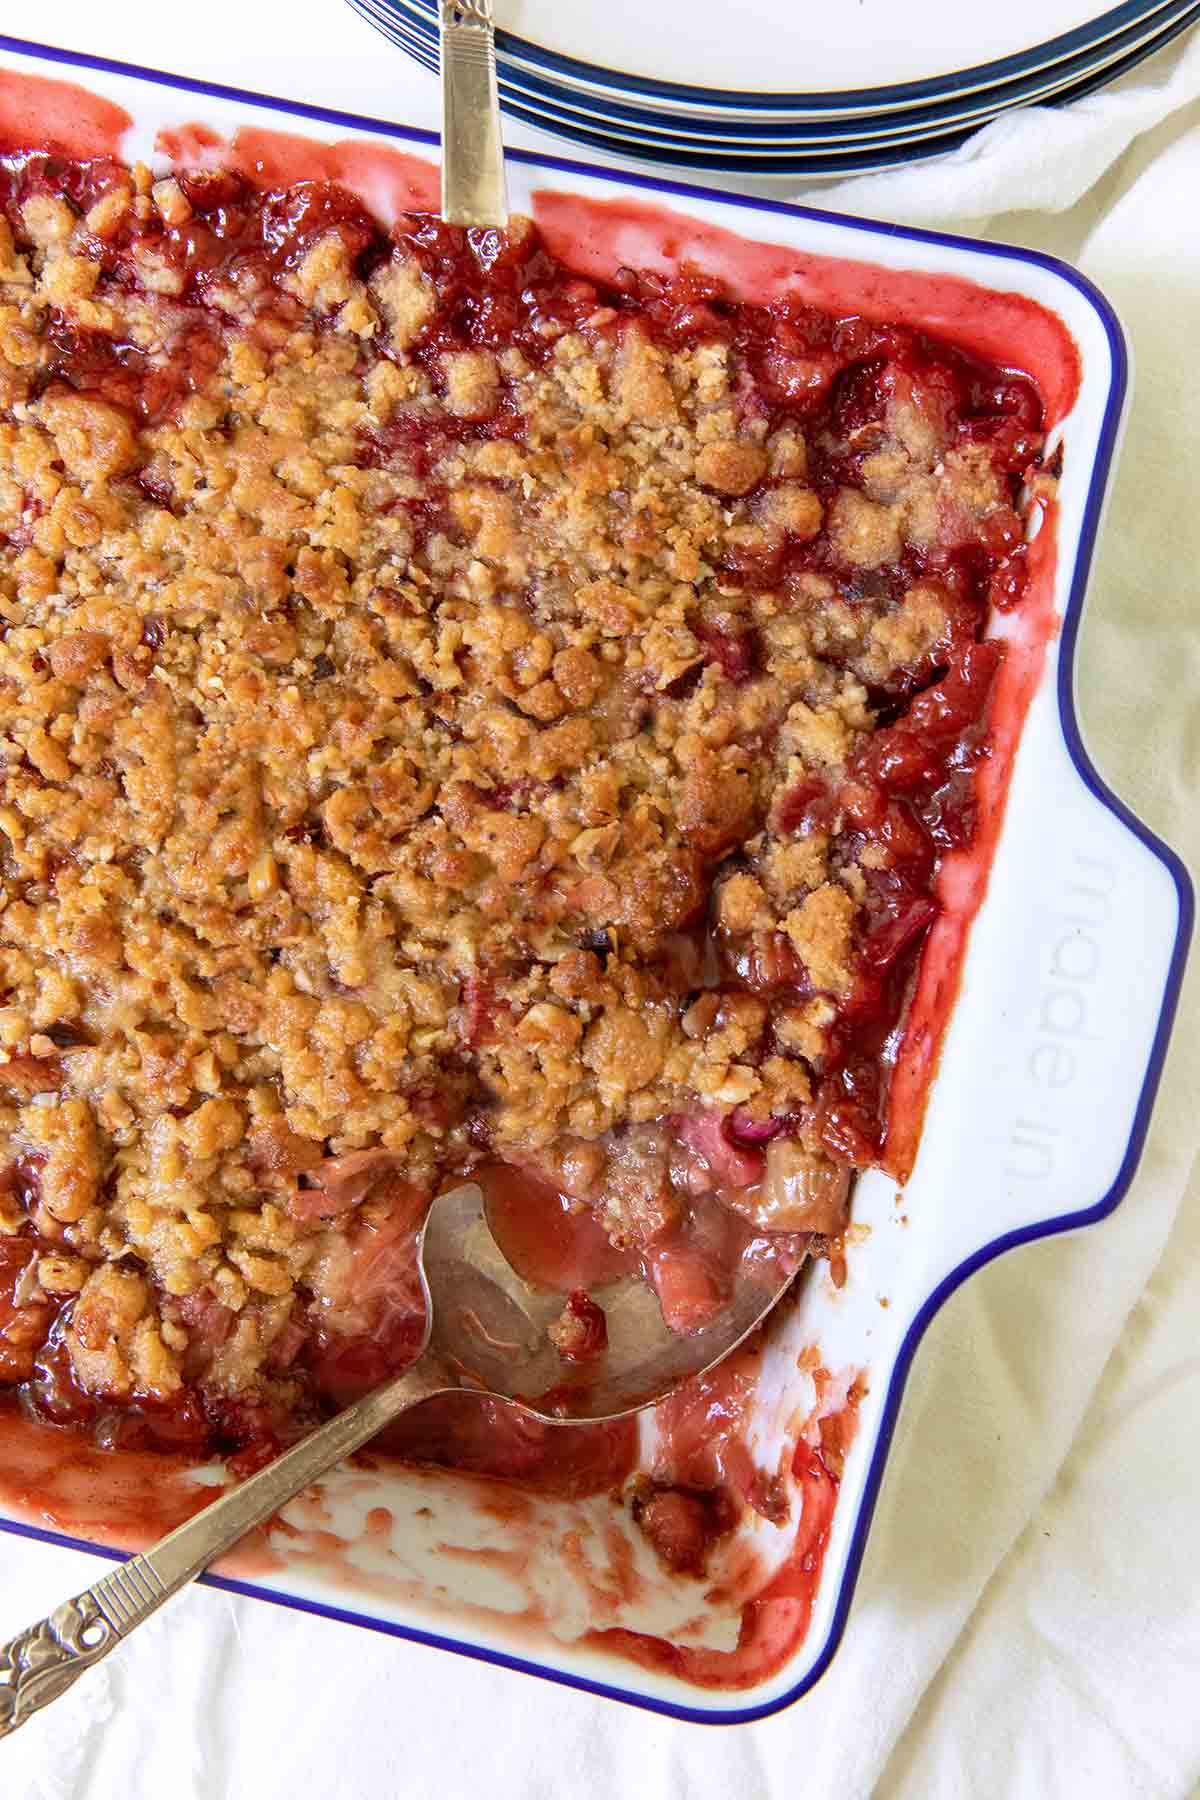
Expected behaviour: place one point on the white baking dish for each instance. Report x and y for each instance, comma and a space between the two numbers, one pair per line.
1034, 1125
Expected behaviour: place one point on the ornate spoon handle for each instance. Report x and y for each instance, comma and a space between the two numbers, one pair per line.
473, 191
41, 1663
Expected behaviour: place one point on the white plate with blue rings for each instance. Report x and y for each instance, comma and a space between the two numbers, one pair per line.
766, 149
879, 59
408, 22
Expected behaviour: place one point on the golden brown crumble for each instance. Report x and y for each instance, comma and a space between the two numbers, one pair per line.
376, 717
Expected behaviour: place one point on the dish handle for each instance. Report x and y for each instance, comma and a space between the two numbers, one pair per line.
1052, 1061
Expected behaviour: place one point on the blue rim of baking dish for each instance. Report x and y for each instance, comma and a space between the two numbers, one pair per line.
1058, 49
1101, 470
820, 163
404, 23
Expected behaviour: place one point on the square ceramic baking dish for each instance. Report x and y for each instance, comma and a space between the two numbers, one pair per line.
1041, 1098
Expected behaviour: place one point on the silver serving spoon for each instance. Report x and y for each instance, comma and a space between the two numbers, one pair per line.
485, 1331
473, 191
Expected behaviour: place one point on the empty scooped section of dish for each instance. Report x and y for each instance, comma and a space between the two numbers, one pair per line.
609, 1581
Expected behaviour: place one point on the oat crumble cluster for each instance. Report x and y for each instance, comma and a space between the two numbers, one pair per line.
447, 712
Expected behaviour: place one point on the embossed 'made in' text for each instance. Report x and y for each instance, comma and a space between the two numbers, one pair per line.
1073, 963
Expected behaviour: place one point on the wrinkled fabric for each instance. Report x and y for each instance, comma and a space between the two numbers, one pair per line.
1044, 158
1028, 1617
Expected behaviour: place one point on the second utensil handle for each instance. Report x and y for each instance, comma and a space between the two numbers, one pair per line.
42, 1662
473, 189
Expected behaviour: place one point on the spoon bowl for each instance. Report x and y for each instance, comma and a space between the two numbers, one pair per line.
488, 1327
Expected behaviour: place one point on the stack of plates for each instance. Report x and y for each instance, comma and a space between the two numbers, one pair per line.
792, 87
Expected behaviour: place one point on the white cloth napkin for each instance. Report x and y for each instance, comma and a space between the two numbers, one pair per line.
1038, 158
1028, 1619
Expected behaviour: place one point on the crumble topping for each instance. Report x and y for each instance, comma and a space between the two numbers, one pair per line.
447, 711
